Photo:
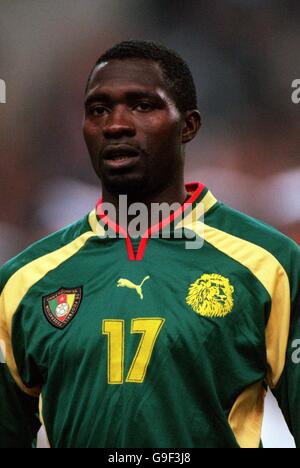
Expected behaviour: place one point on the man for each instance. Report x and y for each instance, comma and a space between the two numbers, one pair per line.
140, 341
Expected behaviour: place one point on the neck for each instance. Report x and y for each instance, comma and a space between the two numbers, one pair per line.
176, 193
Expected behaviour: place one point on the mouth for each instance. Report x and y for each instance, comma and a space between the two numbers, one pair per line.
120, 156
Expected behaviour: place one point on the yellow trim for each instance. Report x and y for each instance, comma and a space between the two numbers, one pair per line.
246, 416
41, 410
97, 228
271, 274
17, 287
201, 208
208, 201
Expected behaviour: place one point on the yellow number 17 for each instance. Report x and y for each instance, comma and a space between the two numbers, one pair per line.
115, 330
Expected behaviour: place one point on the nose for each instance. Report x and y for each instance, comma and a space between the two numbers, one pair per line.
118, 124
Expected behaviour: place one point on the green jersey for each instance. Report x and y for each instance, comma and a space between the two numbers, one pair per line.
117, 342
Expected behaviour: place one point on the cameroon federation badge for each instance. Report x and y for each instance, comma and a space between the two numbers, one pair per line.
211, 296
61, 307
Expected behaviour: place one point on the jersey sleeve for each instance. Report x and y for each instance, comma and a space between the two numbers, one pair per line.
19, 421
287, 392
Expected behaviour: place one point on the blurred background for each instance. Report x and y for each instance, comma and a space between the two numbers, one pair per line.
244, 55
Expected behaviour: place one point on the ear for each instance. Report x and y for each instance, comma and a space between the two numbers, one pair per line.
191, 125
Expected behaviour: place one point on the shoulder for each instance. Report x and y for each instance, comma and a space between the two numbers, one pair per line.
42, 248
255, 232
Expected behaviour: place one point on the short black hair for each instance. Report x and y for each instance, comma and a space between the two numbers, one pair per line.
178, 77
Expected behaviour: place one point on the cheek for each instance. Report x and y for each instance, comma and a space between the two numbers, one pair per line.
162, 133
91, 135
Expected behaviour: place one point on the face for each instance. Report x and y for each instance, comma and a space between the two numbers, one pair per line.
132, 128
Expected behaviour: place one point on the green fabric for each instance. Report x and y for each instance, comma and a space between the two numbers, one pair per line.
198, 367
19, 421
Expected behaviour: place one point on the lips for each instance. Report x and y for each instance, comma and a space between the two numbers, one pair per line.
120, 156
119, 152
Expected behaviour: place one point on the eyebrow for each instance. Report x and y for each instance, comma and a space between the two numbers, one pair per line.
129, 96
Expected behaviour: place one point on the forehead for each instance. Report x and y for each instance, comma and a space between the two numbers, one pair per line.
123, 74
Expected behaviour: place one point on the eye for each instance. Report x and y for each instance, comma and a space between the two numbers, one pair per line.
97, 111
144, 107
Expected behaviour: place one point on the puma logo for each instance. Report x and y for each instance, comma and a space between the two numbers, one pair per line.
124, 283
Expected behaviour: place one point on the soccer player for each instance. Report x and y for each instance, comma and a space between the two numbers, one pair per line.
125, 341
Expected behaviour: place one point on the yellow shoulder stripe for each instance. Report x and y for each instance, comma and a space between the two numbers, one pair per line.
246, 416
201, 208
271, 274
18, 286
208, 201
97, 228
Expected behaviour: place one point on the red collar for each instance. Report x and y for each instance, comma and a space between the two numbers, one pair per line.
195, 190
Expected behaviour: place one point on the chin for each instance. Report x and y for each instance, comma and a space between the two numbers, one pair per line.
126, 184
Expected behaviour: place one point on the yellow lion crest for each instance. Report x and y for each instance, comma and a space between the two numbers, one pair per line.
211, 296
